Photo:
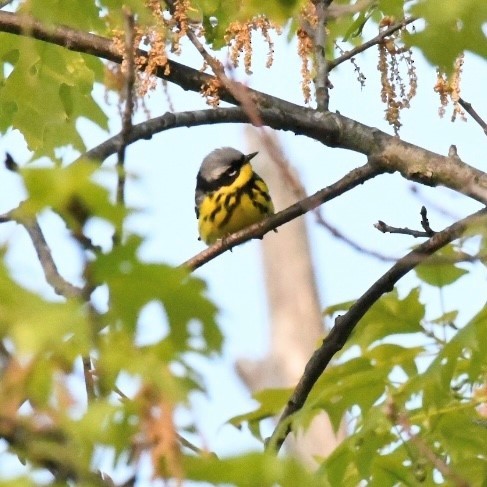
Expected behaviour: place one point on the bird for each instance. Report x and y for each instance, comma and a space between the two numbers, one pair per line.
229, 194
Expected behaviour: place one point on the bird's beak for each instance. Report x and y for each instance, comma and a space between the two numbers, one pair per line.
248, 157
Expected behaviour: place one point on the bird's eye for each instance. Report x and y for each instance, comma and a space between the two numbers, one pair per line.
231, 172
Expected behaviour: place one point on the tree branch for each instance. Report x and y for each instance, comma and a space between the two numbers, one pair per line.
372, 42
428, 231
335, 232
319, 41
128, 95
385, 228
334, 130
471, 111
51, 273
169, 120
47, 448
351, 180
345, 324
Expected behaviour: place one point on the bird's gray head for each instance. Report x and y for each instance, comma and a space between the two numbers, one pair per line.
222, 165
219, 168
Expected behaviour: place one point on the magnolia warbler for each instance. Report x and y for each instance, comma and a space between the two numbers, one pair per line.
229, 194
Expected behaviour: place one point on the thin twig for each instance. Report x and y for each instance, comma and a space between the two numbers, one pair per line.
432, 204
332, 64
195, 449
428, 232
425, 223
319, 44
89, 378
320, 219
51, 273
58, 283
238, 90
300, 193
351, 180
385, 228
471, 111
128, 95
399, 418
345, 324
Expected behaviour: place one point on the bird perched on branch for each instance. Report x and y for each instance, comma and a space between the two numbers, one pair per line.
229, 194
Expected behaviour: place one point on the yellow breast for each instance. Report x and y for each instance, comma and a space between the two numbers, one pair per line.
231, 208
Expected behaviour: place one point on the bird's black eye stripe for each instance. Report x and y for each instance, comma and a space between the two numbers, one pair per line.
231, 171
235, 166
225, 179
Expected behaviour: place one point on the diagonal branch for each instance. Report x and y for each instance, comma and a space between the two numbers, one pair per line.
354, 178
372, 42
472, 112
345, 324
51, 273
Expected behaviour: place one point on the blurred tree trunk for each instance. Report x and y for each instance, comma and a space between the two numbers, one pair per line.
295, 311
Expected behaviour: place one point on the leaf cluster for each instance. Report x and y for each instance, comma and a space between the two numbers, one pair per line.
43, 341
409, 390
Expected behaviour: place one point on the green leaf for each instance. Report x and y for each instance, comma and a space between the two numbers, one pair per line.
69, 191
47, 90
357, 25
120, 356
340, 468
132, 284
271, 402
18, 482
460, 434
388, 356
356, 382
394, 8
473, 470
249, 470
353, 458
115, 14
462, 356
336, 308
446, 318
441, 274
389, 316
106, 423
450, 30
390, 470
218, 14
82, 14
34, 324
